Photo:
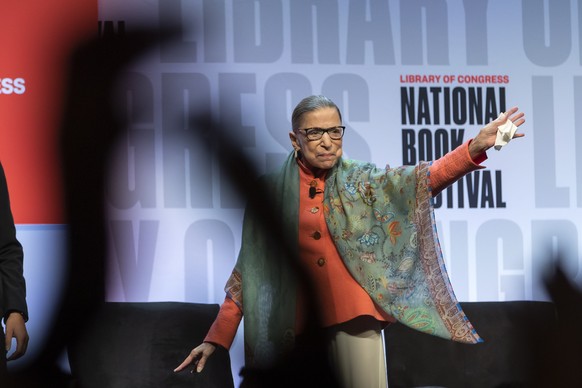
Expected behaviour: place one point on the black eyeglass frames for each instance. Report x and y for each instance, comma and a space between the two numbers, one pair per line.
334, 133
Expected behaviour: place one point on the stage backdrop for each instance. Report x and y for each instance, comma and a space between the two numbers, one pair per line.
413, 79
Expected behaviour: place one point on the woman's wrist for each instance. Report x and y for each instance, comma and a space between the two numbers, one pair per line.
477, 147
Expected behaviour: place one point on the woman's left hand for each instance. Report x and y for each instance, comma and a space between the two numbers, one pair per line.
485, 139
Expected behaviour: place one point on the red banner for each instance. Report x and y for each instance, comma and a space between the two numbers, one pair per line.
36, 38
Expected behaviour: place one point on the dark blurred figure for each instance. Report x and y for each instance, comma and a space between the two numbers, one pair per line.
13, 307
88, 131
560, 361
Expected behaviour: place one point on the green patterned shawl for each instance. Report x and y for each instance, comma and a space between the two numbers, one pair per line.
382, 222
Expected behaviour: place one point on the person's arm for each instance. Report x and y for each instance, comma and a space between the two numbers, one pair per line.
13, 304
468, 157
225, 326
449, 168
221, 333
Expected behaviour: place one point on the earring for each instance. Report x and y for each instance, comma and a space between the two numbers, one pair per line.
295, 153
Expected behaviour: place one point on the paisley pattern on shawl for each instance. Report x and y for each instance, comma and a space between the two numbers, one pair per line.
382, 222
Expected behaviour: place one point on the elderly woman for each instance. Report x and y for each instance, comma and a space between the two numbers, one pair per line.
365, 237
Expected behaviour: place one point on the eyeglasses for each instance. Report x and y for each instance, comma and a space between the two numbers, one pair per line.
335, 133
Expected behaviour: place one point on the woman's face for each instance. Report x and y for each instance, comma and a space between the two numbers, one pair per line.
323, 153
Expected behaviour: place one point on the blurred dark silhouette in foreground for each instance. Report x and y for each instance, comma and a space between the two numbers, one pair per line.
89, 130
86, 136
560, 361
